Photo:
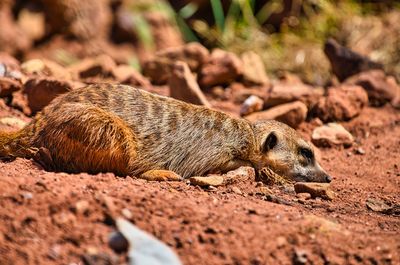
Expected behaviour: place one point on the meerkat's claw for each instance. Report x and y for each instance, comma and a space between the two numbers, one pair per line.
160, 175
43, 157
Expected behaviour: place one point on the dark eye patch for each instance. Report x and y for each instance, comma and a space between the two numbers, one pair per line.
307, 154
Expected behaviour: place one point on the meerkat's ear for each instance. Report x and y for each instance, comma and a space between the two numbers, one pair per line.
270, 142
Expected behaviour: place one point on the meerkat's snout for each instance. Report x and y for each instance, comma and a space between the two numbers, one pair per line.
287, 154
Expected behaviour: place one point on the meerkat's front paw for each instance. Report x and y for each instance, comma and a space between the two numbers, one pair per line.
43, 157
160, 175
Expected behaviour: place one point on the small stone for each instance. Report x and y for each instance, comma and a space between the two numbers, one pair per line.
81, 207
241, 174
13, 122
264, 191
160, 175
251, 104
118, 242
303, 196
43, 67
237, 190
332, 134
54, 252
320, 190
360, 151
8, 86
183, 85
281, 241
300, 257
253, 69
293, 114
128, 75
127, 213
211, 180
101, 65
222, 68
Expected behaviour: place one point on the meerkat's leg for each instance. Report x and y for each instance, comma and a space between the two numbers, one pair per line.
85, 138
160, 175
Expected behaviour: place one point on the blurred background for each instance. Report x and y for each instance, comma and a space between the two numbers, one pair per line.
289, 35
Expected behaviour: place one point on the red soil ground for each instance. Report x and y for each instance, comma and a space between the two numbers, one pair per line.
44, 218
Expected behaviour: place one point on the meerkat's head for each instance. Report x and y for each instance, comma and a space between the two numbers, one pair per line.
283, 151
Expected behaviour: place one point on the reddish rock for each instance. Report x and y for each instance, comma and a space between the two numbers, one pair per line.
222, 68
8, 86
253, 69
183, 85
20, 101
44, 67
101, 65
40, 91
342, 103
159, 67
292, 89
293, 114
315, 190
331, 134
251, 104
126, 74
380, 87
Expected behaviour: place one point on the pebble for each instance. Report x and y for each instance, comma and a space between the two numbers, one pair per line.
315, 190
332, 134
211, 180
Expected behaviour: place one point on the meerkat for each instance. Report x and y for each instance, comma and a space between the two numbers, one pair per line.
128, 131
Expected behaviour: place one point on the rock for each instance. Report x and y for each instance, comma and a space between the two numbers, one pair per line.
300, 257
264, 191
13, 122
381, 206
211, 180
360, 151
8, 86
241, 174
289, 90
158, 68
253, 69
251, 104
222, 68
101, 65
315, 190
342, 103
380, 88
127, 213
118, 242
293, 114
41, 91
160, 175
81, 207
346, 62
237, 190
145, 248
126, 74
20, 101
43, 67
331, 134
303, 196
183, 86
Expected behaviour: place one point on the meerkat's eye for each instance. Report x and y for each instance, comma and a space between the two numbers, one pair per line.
270, 142
307, 154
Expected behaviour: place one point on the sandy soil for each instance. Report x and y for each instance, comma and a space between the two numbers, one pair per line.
58, 218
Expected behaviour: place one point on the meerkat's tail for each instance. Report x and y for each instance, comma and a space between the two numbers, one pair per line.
17, 144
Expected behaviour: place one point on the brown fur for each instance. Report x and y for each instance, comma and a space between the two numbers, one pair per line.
121, 129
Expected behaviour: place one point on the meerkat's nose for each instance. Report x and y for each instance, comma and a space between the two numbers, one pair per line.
328, 178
